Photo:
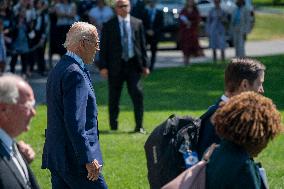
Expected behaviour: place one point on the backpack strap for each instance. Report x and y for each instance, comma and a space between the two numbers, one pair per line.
209, 152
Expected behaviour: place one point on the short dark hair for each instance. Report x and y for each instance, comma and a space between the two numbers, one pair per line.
239, 69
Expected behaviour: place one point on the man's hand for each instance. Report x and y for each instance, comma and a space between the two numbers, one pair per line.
26, 150
104, 73
146, 71
93, 169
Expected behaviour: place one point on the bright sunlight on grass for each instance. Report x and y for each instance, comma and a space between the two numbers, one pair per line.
267, 27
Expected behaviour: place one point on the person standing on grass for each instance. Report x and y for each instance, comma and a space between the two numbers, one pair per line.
215, 28
241, 74
123, 58
153, 23
189, 31
240, 27
72, 150
17, 109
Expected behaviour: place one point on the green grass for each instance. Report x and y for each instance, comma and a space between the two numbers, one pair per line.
267, 27
184, 91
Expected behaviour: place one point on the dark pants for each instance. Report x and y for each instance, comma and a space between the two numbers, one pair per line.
25, 61
38, 57
131, 76
68, 181
153, 42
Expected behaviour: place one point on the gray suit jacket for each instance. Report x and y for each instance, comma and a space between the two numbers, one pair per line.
10, 177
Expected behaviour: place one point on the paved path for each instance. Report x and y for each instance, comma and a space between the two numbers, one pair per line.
173, 58
253, 49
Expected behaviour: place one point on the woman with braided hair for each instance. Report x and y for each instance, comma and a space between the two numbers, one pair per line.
245, 124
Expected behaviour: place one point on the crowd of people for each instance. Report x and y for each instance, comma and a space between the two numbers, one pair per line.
27, 26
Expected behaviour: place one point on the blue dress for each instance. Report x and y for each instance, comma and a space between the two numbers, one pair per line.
215, 28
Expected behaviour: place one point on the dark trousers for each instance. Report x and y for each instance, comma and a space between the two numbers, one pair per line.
153, 42
38, 57
25, 61
69, 181
132, 77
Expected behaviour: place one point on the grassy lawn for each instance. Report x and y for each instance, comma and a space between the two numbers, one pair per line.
184, 91
276, 3
267, 27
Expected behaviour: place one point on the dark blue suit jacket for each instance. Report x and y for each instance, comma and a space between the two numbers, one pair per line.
72, 137
207, 134
111, 48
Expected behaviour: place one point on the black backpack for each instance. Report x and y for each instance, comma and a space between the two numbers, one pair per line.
164, 161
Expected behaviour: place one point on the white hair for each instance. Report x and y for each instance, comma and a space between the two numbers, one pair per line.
9, 90
79, 31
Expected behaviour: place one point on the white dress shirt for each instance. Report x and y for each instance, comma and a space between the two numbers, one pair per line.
129, 33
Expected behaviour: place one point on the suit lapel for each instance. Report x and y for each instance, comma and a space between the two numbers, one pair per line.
117, 35
133, 28
9, 162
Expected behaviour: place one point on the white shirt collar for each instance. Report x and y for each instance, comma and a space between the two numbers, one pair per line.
7, 140
77, 58
127, 18
224, 98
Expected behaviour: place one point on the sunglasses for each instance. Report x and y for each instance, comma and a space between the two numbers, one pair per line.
123, 6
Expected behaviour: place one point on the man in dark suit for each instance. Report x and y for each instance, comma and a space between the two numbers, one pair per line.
241, 74
153, 23
72, 151
17, 108
123, 58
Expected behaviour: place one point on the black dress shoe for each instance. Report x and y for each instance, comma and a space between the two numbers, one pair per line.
140, 130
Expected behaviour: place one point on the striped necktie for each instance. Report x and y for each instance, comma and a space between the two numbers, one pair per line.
21, 165
125, 47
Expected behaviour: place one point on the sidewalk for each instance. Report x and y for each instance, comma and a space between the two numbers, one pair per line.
173, 58
253, 49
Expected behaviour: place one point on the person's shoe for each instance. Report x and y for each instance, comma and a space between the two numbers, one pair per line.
140, 130
113, 128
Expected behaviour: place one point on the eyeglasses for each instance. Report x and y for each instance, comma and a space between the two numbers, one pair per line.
123, 6
97, 43
28, 105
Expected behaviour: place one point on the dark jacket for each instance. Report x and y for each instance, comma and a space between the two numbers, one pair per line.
111, 48
230, 167
207, 134
156, 25
10, 177
72, 137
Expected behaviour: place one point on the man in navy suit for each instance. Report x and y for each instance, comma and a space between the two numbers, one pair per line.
123, 58
72, 151
153, 23
241, 74
16, 111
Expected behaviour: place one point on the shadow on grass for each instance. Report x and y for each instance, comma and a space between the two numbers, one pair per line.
109, 132
195, 87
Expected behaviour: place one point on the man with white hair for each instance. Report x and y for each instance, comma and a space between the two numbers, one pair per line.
16, 111
72, 151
